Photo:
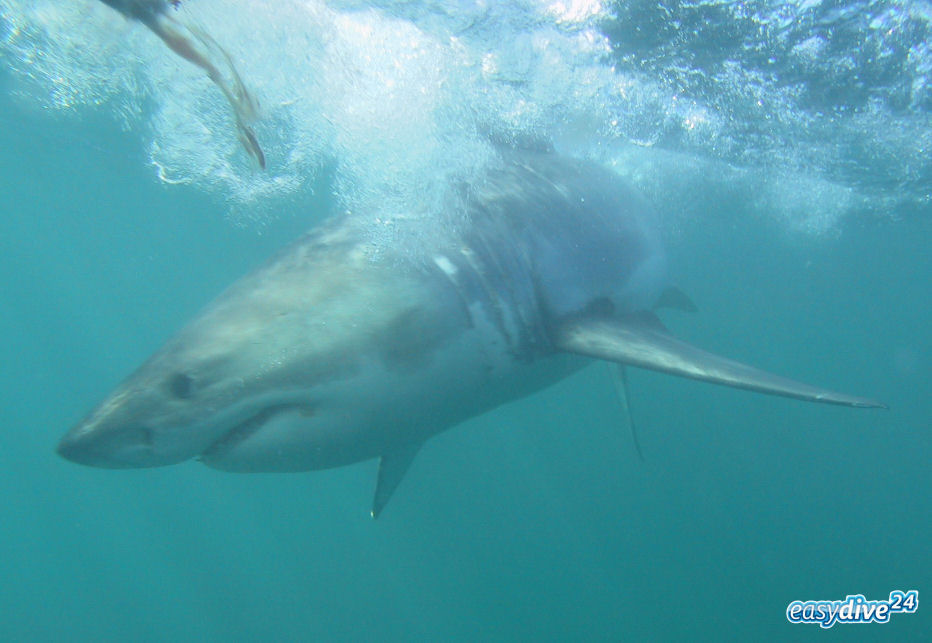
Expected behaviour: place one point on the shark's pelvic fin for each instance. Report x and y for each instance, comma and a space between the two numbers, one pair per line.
392, 468
641, 340
673, 297
620, 380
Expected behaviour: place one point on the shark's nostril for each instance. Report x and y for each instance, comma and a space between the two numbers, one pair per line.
145, 436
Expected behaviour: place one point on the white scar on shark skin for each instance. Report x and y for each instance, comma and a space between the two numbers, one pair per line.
333, 353
198, 47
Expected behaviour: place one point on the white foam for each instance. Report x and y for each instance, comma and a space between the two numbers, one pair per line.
399, 97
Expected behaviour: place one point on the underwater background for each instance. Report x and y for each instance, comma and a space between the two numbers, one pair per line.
786, 147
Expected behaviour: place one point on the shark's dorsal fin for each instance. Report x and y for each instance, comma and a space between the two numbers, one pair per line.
673, 297
641, 340
392, 468
620, 380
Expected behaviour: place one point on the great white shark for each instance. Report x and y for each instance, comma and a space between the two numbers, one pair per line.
338, 351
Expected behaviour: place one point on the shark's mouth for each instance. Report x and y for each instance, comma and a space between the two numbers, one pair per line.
248, 427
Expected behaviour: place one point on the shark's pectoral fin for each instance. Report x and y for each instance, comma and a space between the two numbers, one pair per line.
620, 380
392, 468
641, 340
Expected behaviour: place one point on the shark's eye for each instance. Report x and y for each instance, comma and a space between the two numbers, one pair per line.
181, 385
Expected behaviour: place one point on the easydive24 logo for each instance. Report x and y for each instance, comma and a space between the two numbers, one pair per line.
854, 609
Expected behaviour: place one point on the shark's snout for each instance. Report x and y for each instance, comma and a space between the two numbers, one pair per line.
112, 448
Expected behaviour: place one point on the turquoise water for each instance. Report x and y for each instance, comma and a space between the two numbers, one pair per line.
535, 521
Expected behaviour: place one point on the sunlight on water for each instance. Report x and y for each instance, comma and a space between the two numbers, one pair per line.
386, 89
